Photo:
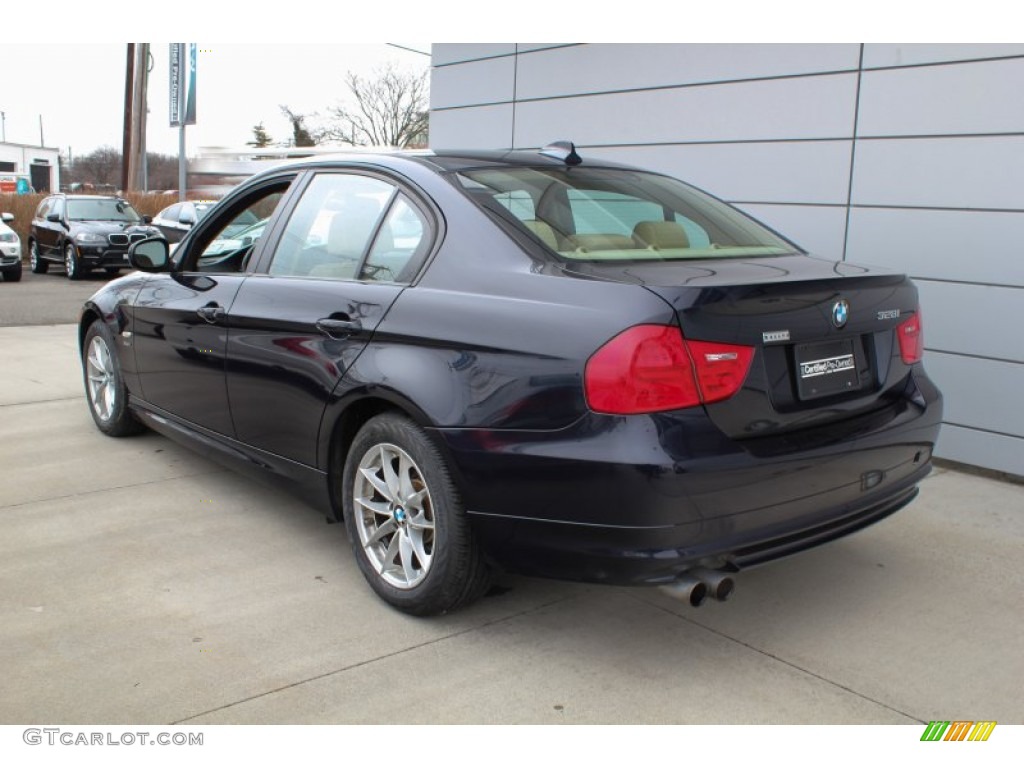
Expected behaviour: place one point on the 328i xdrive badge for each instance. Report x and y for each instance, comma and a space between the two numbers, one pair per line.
530, 362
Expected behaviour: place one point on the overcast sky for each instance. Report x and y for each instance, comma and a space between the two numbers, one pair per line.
79, 90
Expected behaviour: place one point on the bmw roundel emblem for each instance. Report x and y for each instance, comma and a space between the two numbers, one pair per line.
840, 313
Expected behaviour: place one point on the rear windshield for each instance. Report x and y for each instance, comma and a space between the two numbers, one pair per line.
602, 214
101, 209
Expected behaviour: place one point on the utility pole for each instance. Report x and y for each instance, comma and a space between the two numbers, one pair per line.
126, 146
3, 125
137, 157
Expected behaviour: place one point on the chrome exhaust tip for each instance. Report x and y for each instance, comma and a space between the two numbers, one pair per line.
686, 589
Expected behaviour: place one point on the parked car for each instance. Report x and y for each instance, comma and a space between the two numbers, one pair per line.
84, 232
240, 239
548, 364
10, 250
176, 220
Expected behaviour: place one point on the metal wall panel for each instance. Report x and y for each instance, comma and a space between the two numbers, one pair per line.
450, 53
965, 246
904, 54
801, 108
475, 82
983, 394
599, 68
975, 172
762, 172
977, 320
985, 449
472, 127
922, 101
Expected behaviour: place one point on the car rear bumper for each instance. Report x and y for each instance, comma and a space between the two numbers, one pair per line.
639, 500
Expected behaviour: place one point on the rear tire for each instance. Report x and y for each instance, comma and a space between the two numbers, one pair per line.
405, 519
105, 389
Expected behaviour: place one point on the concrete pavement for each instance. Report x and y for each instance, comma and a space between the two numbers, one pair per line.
140, 583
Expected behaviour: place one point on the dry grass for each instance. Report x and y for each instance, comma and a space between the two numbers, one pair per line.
23, 207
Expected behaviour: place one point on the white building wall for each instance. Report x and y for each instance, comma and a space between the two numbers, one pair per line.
24, 156
909, 156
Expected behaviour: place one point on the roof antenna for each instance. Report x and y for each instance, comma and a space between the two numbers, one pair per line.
564, 151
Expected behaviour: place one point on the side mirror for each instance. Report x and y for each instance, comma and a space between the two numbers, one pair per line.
54, 217
150, 255
6, 218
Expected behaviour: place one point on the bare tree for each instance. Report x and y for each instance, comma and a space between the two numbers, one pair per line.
301, 137
390, 110
101, 166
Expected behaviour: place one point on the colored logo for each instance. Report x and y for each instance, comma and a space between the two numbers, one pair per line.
840, 313
958, 730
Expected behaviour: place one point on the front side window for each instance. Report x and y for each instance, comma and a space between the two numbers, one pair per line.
229, 240
102, 209
603, 214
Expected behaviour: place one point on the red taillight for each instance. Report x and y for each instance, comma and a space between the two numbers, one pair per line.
721, 368
651, 368
911, 336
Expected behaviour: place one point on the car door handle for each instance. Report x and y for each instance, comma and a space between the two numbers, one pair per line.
338, 328
211, 313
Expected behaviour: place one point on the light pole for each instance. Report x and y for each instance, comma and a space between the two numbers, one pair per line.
3, 126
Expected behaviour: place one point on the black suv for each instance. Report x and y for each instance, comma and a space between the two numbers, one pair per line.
83, 232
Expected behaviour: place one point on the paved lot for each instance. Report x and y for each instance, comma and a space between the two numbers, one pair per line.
141, 584
46, 299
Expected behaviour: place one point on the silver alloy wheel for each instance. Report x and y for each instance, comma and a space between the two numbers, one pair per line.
394, 515
100, 373
69, 259
33, 256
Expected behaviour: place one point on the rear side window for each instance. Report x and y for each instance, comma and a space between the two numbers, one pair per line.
604, 214
399, 243
352, 227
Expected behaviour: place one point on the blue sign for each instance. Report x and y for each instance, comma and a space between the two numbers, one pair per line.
23, 187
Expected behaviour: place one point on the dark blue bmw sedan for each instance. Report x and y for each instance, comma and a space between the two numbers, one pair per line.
535, 362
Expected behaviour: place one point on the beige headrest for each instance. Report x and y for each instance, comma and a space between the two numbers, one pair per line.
661, 234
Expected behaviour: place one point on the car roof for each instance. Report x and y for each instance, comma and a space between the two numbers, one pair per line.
451, 160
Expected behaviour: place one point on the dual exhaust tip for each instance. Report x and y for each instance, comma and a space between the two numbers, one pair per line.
698, 584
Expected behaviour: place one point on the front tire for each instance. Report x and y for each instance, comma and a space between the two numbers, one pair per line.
72, 263
105, 390
36, 263
405, 519
13, 275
